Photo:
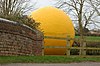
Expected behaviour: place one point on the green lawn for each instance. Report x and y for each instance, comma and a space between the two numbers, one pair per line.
46, 59
90, 38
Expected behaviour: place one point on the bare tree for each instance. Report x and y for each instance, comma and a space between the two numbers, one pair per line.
72, 7
15, 10
13, 7
96, 5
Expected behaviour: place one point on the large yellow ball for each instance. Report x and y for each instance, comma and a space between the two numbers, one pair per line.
54, 23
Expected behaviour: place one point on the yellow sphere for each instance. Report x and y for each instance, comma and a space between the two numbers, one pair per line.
54, 23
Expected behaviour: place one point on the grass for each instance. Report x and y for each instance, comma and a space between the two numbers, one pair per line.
45, 59
91, 38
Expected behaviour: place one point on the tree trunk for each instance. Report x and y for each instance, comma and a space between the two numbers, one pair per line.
80, 26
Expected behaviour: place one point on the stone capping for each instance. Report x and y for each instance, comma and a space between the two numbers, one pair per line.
16, 23
31, 40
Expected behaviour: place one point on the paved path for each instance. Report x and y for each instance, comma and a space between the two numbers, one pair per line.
55, 64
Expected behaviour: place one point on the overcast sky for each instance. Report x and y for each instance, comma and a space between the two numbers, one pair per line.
42, 3
39, 4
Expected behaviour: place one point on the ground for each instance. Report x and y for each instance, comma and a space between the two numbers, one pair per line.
54, 64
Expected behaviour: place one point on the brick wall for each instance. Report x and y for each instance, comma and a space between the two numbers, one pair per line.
19, 39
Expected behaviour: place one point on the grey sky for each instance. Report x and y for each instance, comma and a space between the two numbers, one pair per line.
42, 3
39, 4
